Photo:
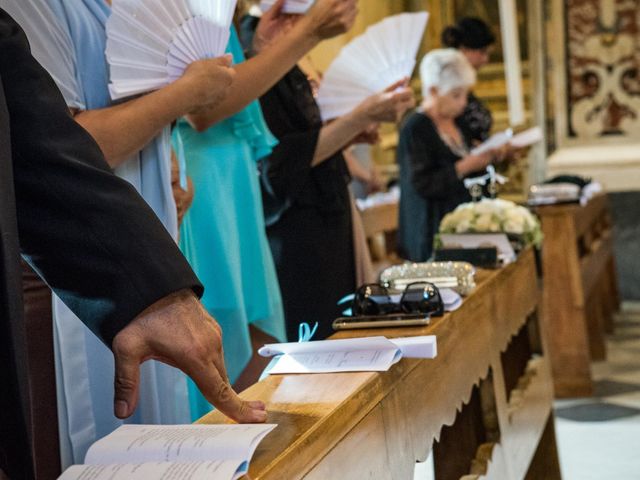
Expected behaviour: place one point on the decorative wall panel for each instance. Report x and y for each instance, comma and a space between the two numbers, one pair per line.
603, 65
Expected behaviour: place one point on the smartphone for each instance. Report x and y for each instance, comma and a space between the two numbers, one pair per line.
381, 321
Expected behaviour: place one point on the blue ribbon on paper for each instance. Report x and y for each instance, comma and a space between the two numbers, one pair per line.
305, 334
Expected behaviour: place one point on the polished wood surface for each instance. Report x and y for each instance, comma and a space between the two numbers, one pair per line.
580, 290
377, 425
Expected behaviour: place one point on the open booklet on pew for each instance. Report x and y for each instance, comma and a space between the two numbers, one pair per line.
171, 452
367, 354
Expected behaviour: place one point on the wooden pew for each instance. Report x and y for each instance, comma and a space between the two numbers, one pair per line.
380, 226
483, 405
580, 290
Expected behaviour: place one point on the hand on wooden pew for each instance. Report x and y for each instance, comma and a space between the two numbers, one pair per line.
178, 331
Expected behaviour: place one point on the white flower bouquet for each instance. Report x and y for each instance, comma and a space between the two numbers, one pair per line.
494, 216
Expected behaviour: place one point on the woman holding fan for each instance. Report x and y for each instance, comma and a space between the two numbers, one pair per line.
306, 199
223, 235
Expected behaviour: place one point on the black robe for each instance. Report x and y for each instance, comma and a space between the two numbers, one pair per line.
307, 210
87, 232
430, 187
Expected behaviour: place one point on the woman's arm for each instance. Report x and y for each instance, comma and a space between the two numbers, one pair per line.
258, 74
124, 129
474, 163
386, 106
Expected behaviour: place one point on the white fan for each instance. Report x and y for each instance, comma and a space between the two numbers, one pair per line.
296, 7
384, 54
151, 42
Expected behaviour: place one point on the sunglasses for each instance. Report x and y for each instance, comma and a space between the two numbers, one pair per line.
417, 297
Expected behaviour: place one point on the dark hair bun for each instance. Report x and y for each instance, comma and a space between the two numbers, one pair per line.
469, 32
451, 37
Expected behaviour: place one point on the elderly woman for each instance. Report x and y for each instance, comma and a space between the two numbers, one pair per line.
433, 152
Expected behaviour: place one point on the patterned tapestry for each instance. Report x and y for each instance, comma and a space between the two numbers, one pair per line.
603, 67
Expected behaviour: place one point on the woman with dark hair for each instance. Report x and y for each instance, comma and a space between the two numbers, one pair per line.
474, 38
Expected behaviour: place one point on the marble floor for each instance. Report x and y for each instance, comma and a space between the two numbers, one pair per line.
599, 437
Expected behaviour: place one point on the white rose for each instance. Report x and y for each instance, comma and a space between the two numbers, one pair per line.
468, 215
514, 225
483, 221
494, 227
447, 223
463, 226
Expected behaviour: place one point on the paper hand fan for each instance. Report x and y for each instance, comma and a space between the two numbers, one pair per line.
383, 55
151, 42
290, 6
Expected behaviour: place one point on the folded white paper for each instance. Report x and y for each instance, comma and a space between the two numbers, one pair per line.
500, 139
496, 140
295, 7
368, 354
528, 137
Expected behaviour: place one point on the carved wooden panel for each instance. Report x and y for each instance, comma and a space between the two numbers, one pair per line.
603, 60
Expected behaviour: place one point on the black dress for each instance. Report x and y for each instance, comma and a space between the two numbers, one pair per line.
430, 187
477, 119
307, 210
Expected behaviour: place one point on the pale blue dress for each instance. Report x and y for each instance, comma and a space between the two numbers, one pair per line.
84, 365
223, 234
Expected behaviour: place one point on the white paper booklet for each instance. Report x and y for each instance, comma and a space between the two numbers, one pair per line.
383, 55
150, 43
521, 140
296, 7
171, 452
496, 140
528, 137
368, 354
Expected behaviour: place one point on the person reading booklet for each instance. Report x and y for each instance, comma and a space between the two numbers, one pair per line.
171, 452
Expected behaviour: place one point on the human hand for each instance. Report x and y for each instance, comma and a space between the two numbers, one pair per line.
183, 198
178, 331
273, 24
475, 163
388, 105
506, 153
375, 183
370, 135
329, 18
206, 82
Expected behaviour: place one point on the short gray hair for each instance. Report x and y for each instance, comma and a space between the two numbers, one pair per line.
445, 69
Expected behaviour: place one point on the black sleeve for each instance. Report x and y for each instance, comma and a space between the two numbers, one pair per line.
431, 175
87, 232
285, 171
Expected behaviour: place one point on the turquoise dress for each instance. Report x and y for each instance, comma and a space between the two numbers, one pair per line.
223, 233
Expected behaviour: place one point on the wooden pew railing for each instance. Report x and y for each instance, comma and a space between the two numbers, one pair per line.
484, 405
580, 293
380, 227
